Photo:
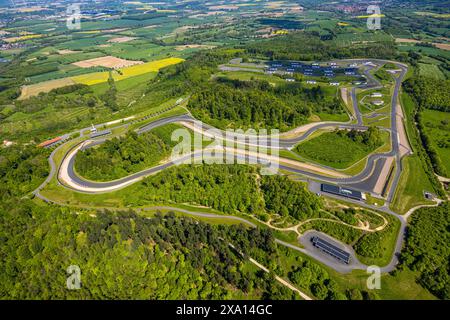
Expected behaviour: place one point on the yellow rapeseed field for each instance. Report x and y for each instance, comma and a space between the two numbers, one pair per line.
89, 32
124, 73
22, 38
97, 77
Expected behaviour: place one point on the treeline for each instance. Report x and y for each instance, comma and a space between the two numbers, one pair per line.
119, 157
429, 93
258, 104
127, 256
110, 96
188, 75
78, 87
306, 46
426, 248
371, 137
182, 78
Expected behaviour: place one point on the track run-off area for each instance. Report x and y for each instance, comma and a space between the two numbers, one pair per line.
364, 181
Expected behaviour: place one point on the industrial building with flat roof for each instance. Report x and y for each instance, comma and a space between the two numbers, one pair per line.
100, 133
331, 249
378, 102
340, 191
50, 143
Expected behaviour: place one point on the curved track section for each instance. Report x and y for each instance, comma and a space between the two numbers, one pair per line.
66, 170
363, 181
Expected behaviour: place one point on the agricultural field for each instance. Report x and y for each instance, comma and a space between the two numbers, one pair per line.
106, 62
430, 71
99, 77
124, 73
34, 89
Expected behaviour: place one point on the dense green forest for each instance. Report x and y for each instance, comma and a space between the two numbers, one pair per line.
228, 188
122, 156
231, 189
429, 93
127, 256
258, 104
122, 255
426, 248
21, 170
286, 197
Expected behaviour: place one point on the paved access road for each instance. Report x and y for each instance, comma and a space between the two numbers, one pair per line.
362, 181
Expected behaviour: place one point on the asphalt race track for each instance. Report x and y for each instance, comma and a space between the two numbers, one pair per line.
364, 181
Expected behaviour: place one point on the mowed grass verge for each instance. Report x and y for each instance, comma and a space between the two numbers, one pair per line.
414, 179
413, 182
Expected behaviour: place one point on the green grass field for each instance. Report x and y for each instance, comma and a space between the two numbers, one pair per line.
139, 50
425, 50
365, 100
430, 71
247, 76
333, 150
413, 180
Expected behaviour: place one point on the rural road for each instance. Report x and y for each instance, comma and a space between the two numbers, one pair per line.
362, 181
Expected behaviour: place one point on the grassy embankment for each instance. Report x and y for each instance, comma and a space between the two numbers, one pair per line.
414, 179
